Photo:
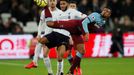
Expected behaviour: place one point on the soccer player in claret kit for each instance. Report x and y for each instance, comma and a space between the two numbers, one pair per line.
78, 28
70, 12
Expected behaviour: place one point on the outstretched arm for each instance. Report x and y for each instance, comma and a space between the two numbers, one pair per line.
85, 23
90, 19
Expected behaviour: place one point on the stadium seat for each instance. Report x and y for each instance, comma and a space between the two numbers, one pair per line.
30, 27
20, 23
5, 17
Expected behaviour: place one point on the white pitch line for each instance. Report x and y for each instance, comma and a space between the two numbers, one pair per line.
12, 64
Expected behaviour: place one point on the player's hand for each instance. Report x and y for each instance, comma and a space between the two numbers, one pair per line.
86, 37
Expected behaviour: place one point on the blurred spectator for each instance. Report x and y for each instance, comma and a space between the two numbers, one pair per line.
1, 25
115, 6
35, 11
4, 6
21, 12
103, 4
7, 26
128, 8
83, 6
17, 29
10, 27
14, 8
95, 4
125, 20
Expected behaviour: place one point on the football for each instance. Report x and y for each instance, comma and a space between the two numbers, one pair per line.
41, 3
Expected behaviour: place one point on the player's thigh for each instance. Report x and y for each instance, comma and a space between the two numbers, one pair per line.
77, 39
61, 51
78, 43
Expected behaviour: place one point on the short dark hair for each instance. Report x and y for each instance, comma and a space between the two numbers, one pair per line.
65, 0
72, 1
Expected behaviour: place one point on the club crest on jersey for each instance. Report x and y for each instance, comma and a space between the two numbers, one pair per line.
93, 17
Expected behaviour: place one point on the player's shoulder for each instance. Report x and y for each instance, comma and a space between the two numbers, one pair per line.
95, 14
42, 11
74, 11
59, 11
71, 10
68, 10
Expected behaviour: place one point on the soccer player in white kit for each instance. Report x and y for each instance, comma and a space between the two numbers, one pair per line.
41, 28
56, 13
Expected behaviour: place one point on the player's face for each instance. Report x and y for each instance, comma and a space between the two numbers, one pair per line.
63, 5
106, 13
52, 3
72, 6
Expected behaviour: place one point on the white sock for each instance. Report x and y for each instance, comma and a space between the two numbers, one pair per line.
60, 66
37, 51
47, 63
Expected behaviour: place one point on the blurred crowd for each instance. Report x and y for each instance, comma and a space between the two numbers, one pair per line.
23, 11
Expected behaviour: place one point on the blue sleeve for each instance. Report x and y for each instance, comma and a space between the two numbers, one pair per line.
92, 17
86, 21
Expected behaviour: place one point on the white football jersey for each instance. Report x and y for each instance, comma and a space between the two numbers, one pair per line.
72, 14
56, 15
43, 26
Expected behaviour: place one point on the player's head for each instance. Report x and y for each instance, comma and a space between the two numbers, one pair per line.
106, 13
72, 5
63, 5
52, 3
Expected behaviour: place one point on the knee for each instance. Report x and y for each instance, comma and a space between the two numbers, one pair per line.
40, 40
45, 55
82, 51
60, 55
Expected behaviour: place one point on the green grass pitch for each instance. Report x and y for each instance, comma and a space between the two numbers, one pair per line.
90, 66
